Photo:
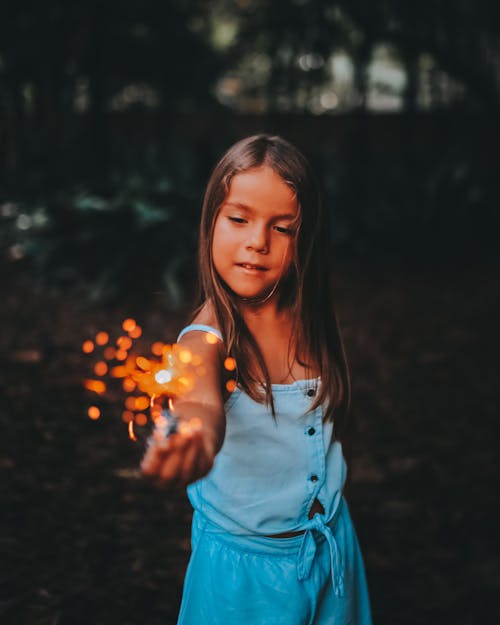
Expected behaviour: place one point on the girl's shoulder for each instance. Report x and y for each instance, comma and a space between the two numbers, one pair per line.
204, 321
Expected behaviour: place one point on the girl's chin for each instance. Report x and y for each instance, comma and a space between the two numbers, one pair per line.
252, 295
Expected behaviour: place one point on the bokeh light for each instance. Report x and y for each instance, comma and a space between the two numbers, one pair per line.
94, 413
87, 347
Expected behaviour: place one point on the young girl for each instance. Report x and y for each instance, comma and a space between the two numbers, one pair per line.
272, 539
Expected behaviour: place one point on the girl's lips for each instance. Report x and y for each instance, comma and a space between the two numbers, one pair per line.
251, 267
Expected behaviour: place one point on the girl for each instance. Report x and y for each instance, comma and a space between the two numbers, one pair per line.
272, 539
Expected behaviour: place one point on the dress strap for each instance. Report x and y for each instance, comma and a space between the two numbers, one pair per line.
202, 328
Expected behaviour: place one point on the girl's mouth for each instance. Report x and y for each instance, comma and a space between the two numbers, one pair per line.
251, 267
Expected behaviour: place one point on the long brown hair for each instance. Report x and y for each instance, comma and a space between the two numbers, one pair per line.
305, 290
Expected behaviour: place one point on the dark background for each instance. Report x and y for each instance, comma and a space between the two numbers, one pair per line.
111, 117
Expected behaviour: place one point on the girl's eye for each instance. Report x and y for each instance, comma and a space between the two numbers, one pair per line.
283, 230
237, 220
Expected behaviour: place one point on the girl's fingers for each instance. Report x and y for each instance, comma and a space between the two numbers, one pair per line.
151, 462
180, 460
174, 466
169, 469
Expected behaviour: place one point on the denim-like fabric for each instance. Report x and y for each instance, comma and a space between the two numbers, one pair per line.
268, 472
254, 580
263, 482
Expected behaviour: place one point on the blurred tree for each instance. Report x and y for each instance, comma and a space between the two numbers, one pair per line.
59, 60
104, 105
457, 43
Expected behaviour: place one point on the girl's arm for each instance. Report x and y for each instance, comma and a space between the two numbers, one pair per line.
186, 457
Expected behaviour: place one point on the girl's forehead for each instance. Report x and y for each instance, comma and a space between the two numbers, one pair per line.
259, 188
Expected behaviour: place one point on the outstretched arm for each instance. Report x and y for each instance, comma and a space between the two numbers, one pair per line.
185, 457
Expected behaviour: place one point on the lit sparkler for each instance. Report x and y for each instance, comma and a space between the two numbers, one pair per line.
150, 384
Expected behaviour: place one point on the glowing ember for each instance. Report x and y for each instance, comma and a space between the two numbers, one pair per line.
131, 432
124, 342
95, 385
128, 325
121, 354
127, 416
118, 372
94, 412
88, 347
141, 403
150, 383
143, 363
130, 403
157, 348
109, 353
100, 368
128, 385
136, 332
101, 338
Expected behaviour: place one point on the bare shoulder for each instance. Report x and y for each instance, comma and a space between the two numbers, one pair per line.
208, 348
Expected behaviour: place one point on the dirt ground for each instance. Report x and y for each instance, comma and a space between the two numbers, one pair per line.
85, 541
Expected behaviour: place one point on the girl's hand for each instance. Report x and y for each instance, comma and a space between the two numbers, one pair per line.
189, 454
182, 458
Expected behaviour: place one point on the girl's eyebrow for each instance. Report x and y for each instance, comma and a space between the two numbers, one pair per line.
251, 210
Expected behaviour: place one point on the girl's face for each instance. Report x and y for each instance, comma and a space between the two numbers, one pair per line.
253, 232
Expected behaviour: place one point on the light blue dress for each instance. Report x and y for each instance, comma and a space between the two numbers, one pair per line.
264, 481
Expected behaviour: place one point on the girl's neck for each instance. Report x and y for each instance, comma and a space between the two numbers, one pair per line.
273, 332
263, 314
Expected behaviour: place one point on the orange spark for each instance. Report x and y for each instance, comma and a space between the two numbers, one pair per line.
230, 364
102, 338
231, 385
143, 363
155, 411
109, 353
141, 403
124, 342
127, 416
129, 324
136, 332
88, 347
100, 368
128, 385
131, 432
141, 419
95, 385
94, 412
157, 348
130, 403
121, 354
211, 338
118, 372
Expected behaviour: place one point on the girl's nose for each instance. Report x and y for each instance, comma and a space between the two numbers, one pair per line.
258, 240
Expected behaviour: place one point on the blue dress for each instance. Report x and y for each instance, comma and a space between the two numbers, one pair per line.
264, 481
